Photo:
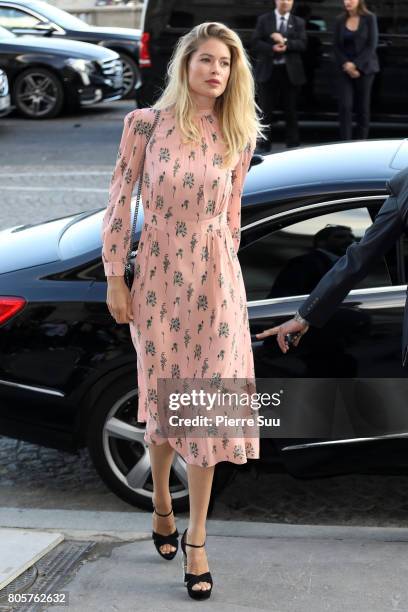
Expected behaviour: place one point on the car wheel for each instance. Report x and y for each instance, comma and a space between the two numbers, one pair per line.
120, 454
38, 94
130, 75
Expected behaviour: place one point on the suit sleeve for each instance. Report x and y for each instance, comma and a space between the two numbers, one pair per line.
354, 265
116, 220
262, 43
371, 44
234, 205
299, 43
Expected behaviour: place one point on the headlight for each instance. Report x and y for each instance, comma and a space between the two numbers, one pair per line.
84, 67
4, 88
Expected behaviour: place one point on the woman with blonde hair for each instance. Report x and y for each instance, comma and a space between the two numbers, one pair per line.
187, 305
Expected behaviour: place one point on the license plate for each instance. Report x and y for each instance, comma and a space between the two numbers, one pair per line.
4, 102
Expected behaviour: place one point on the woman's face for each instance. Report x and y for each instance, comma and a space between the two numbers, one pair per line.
209, 70
351, 5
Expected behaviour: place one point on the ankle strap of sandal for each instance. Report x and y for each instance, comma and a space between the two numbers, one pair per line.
158, 513
194, 545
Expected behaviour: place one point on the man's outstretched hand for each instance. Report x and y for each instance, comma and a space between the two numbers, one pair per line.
289, 327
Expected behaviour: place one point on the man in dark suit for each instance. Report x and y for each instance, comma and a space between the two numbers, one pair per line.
390, 223
278, 41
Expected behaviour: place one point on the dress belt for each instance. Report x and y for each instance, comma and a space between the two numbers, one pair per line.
180, 226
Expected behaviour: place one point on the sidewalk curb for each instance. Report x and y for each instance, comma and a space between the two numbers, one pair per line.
21, 549
136, 526
85, 535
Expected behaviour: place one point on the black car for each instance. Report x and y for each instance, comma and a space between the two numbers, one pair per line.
163, 23
68, 371
38, 18
46, 76
5, 103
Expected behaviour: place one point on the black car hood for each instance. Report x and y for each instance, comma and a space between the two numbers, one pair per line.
43, 239
65, 47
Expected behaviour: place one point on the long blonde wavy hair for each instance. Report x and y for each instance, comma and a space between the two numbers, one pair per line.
236, 108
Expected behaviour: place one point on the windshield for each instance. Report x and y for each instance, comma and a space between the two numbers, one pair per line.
58, 16
6, 34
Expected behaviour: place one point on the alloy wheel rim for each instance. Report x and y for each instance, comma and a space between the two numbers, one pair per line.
37, 94
128, 76
127, 452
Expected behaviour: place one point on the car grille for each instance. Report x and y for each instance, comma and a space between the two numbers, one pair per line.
4, 89
113, 71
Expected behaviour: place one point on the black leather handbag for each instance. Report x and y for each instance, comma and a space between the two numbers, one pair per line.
131, 254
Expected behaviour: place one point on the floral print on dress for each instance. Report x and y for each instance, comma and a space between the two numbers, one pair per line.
188, 295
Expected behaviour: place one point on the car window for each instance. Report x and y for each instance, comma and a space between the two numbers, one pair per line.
292, 259
14, 18
400, 17
60, 17
319, 15
4, 33
239, 14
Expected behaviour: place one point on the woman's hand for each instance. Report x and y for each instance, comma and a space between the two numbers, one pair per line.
351, 70
354, 74
118, 299
349, 66
289, 327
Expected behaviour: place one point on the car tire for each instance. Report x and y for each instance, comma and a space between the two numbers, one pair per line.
114, 412
130, 76
38, 94
119, 453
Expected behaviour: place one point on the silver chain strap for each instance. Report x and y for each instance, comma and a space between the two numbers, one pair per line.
139, 188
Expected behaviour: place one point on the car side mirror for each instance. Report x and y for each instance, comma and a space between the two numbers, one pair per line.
46, 27
255, 160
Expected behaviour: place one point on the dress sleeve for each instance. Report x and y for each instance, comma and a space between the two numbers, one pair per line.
237, 178
116, 220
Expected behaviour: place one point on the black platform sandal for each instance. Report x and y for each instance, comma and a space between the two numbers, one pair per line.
191, 579
160, 539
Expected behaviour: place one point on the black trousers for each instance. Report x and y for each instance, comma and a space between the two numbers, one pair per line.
354, 92
279, 89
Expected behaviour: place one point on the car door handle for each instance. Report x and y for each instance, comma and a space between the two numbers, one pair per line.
255, 340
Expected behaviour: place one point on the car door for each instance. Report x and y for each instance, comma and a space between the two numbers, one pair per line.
361, 340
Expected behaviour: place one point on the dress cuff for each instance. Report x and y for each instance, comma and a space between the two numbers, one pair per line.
114, 268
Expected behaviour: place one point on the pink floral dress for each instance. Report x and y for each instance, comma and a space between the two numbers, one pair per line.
188, 295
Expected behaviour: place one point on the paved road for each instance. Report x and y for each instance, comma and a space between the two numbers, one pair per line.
54, 167
35, 477
57, 167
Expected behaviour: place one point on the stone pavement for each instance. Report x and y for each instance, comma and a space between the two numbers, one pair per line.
37, 194
32, 476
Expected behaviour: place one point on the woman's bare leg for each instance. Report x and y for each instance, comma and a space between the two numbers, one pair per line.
161, 458
199, 484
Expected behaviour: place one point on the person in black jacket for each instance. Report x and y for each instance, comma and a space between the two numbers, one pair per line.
355, 43
389, 225
278, 42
